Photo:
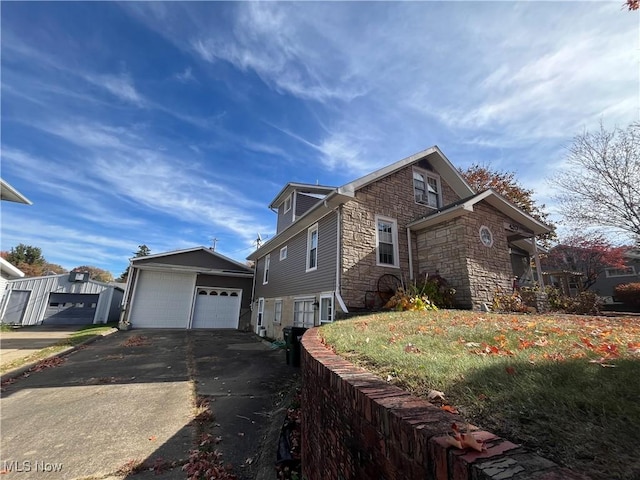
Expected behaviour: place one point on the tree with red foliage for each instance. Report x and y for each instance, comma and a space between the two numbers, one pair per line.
632, 4
482, 177
588, 254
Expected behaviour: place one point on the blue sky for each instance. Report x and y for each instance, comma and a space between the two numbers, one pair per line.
170, 124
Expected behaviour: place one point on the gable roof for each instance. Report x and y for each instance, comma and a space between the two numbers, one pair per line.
9, 193
64, 275
144, 259
290, 187
465, 206
435, 157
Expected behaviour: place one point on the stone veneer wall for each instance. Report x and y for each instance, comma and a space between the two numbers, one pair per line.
454, 249
489, 268
392, 197
356, 426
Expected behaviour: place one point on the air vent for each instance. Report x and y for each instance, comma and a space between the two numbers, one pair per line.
79, 277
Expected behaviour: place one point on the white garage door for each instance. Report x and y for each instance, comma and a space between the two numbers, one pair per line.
217, 308
162, 300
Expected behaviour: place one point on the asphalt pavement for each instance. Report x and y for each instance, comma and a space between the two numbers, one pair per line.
128, 398
22, 342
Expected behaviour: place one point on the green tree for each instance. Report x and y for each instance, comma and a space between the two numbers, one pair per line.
27, 258
95, 273
143, 251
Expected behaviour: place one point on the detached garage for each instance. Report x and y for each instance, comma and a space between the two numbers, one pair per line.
193, 288
65, 299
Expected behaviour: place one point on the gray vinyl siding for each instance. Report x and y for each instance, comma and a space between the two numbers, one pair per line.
284, 219
304, 203
288, 276
197, 258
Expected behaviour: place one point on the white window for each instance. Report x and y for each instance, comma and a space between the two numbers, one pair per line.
277, 311
303, 313
426, 188
260, 313
287, 204
283, 253
387, 242
312, 248
629, 271
326, 308
267, 266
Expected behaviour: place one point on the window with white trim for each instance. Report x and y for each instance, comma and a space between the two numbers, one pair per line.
387, 242
426, 188
283, 253
267, 266
629, 271
312, 248
277, 311
326, 308
303, 313
287, 204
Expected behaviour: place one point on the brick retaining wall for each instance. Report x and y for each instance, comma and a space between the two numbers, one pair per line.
356, 426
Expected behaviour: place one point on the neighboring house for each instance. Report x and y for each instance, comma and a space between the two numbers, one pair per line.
8, 272
10, 194
64, 299
611, 277
191, 288
334, 247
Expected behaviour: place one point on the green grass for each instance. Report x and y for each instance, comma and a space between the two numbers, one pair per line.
5, 327
76, 338
568, 387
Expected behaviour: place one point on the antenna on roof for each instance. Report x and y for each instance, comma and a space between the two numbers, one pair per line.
214, 240
259, 241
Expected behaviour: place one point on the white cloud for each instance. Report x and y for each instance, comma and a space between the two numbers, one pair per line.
120, 86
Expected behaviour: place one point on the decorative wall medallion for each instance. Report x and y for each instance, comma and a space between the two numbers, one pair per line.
486, 237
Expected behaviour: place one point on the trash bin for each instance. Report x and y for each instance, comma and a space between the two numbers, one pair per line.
286, 334
296, 336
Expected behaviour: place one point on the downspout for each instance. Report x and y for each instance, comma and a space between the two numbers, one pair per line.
132, 284
410, 253
253, 287
537, 261
339, 260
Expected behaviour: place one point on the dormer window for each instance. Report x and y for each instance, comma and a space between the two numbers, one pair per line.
287, 204
426, 188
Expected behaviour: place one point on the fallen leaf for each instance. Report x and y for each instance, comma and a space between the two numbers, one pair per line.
152, 438
435, 395
511, 370
449, 408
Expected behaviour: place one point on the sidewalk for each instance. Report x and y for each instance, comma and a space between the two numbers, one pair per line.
26, 341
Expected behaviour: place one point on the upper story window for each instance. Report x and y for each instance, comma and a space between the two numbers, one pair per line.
629, 271
312, 248
283, 253
287, 204
426, 188
387, 242
267, 265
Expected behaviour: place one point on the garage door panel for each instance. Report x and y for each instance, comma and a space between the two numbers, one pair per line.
162, 300
71, 309
217, 308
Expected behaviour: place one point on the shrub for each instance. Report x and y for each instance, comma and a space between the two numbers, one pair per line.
628, 293
409, 299
437, 289
508, 302
557, 301
586, 303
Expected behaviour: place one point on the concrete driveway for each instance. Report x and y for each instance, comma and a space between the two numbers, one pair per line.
24, 341
109, 404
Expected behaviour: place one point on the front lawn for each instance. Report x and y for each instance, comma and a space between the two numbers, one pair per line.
565, 386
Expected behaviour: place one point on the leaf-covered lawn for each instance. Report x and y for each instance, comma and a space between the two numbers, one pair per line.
565, 386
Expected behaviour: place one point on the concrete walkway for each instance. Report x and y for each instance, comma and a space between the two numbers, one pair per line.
110, 404
24, 341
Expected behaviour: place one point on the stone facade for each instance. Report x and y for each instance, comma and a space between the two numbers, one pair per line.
392, 197
454, 250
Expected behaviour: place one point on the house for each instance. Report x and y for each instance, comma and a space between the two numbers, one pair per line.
611, 277
64, 299
8, 272
191, 288
337, 249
